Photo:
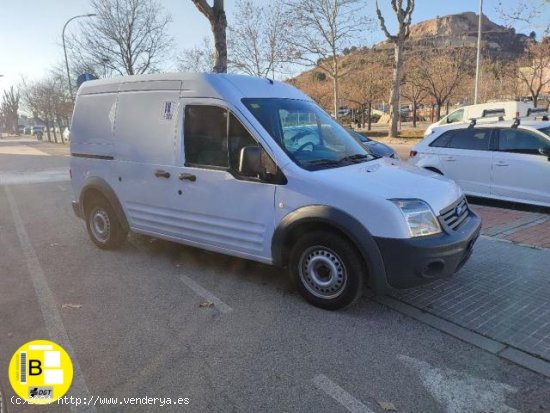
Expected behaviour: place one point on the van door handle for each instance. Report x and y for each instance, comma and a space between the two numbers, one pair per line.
159, 173
450, 159
188, 177
501, 163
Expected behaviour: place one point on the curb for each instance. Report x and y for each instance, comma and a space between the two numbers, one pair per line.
505, 351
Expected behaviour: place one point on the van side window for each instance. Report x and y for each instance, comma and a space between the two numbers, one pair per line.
205, 136
238, 139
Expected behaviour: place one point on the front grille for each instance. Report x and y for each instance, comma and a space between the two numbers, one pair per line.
455, 215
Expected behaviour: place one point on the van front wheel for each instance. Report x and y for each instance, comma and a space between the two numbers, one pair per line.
326, 270
103, 225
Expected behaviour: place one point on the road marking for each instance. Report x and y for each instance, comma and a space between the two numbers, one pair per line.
460, 392
48, 175
207, 295
351, 404
21, 150
48, 306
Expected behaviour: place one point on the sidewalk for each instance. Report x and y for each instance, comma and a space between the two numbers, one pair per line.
521, 227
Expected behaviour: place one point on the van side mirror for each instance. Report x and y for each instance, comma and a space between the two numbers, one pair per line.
545, 151
255, 162
250, 162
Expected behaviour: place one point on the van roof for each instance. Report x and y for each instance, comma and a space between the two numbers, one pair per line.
205, 85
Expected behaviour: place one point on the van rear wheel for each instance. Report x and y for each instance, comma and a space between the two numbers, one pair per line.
327, 270
103, 225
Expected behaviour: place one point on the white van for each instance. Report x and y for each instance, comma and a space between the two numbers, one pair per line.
255, 169
508, 110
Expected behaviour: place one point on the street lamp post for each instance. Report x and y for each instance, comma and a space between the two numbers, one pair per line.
478, 58
65, 48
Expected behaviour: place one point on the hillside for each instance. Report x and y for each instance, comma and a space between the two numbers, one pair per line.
461, 30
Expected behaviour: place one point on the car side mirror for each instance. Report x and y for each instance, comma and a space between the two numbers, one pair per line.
255, 162
545, 151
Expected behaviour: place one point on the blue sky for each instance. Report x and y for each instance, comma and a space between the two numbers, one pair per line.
30, 30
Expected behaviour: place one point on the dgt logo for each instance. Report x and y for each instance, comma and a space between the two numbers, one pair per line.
40, 392
41, 372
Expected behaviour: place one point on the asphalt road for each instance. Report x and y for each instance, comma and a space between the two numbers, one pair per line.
135, 326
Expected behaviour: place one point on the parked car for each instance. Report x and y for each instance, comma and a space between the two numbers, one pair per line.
343, 111
376, 148
36, 129
254, 168
27, 130
500, 160
508, 110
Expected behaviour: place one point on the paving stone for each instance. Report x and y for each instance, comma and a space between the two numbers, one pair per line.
503, 293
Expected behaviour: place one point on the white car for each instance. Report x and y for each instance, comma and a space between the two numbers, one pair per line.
500, 160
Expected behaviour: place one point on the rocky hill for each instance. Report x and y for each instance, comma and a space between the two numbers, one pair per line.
461, 30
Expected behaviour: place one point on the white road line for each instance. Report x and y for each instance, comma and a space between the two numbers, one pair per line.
340, 395
207, 295
34, 177
50, 313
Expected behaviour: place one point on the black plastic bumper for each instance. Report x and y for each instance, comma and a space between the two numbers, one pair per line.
77, 210
415, 261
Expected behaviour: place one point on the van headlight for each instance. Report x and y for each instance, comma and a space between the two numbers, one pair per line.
419, 217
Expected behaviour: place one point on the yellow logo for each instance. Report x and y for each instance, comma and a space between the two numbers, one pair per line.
40, 372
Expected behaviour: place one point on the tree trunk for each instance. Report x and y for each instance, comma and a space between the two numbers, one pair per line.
219, 26
414, 113
48, 130
396, 84
447, 107
438, 111
335, 87
535, 98
363, 116
369, 113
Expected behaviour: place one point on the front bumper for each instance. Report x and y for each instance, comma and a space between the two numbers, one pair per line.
414, 261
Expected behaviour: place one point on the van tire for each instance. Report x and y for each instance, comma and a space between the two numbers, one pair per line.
327, 270
103, 225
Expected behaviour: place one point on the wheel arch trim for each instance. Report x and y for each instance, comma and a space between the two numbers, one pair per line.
344, 223
100, 185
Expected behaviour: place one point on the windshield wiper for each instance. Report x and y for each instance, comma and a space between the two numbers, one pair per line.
323, 162
354, 158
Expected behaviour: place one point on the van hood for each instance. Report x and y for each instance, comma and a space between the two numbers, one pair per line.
389, 178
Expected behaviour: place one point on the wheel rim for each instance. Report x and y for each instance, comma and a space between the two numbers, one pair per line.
100, 225
322, 272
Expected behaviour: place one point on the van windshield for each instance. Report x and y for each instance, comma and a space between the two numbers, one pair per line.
310, 137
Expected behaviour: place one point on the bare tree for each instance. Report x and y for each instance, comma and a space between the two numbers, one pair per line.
367, 83
534, 70
218, 22
127, 37
403, 15
10, 108
441, 72
256, 38
48, 100
200, 58
320, 30
411, 88
524, 12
